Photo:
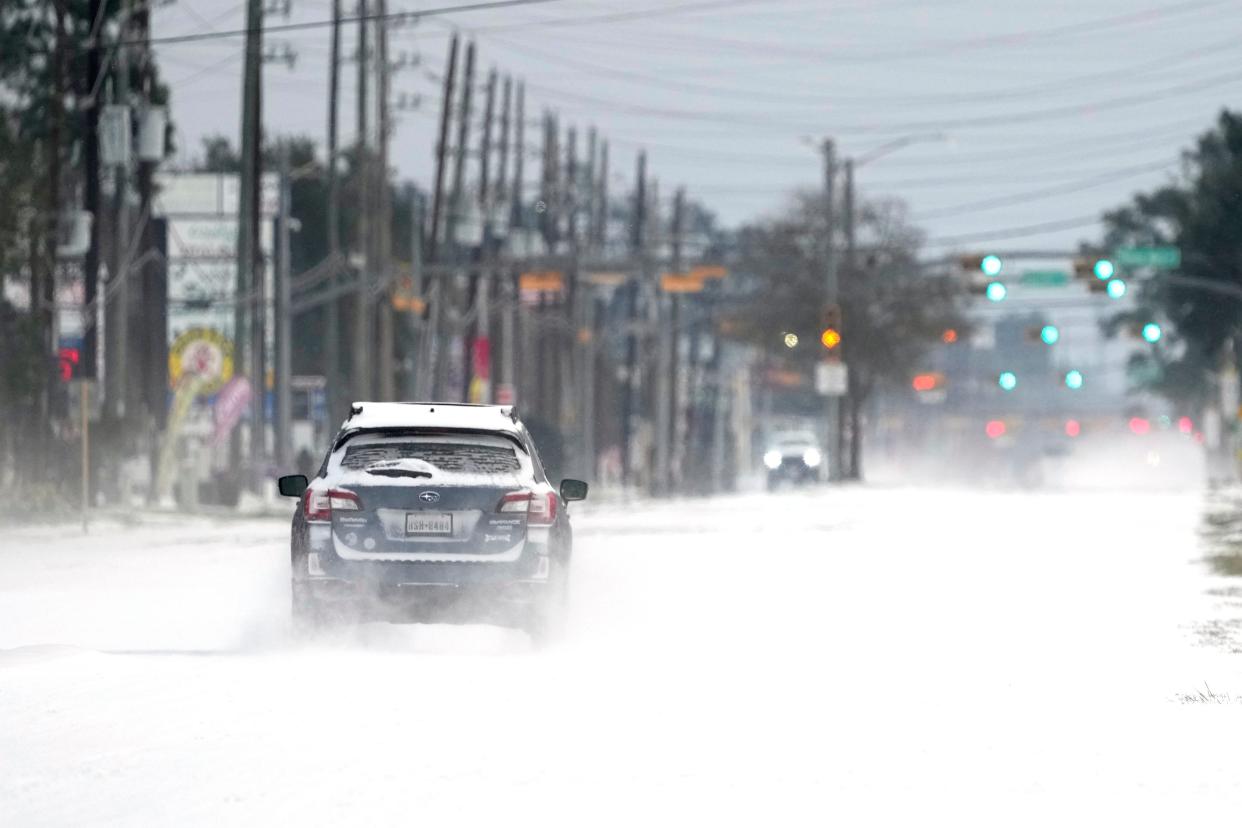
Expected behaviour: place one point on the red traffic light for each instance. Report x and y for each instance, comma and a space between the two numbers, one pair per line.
68, 360
995, 428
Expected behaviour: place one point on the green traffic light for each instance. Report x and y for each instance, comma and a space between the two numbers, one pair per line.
1073, 380
1007, 380
1049, 334
1152, 332
997, 292
1116, 288
991, 265
1104, 270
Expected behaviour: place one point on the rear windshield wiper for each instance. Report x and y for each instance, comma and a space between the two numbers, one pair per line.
399, 472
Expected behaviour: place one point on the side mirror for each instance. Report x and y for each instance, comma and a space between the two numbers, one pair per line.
573, 490
293, 485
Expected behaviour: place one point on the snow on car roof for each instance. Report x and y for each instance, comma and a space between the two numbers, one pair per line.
368, 415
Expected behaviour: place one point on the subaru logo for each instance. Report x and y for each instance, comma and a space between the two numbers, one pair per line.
429, 497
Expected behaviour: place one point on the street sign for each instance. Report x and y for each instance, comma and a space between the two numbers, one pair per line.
1160, 258
832, 379
681, 283
542, 281
1044, 278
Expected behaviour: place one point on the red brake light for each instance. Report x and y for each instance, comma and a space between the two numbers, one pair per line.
344, 500
540, 509
316, 507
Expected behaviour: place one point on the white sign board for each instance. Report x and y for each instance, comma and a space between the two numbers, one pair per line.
832, 379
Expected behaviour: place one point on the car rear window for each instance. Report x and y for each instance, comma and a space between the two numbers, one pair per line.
466, 458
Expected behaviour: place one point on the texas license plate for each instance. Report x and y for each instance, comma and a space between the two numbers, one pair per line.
422, 523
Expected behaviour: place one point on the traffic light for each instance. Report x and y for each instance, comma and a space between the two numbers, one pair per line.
1097, 273
1047, 334
68, 362
1152, 332
1073, 379
1116, 288
927, 382
830, 327
1007, 380
949, 336
996, 291
995, 429
1072, 428
986, 263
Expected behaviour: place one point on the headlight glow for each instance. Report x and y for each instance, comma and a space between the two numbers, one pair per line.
772, 459
811, 457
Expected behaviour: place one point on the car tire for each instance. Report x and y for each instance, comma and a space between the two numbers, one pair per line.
306, 615
547, 617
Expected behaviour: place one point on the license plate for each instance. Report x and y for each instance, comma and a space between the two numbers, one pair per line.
422, 523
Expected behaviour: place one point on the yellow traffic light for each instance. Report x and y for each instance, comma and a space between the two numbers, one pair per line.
831, 338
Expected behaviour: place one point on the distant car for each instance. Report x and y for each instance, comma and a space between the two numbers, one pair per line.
431, 512
792, 458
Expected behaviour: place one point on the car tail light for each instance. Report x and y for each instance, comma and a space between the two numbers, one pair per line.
539, 507
344, 500
316, 507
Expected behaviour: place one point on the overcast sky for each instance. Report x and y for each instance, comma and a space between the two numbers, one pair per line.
1046, 111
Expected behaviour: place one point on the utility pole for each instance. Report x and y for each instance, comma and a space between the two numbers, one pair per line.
571, 358
509, 332
462, 150
451, 362
361, 366
284, 362
116, 327
479, 352
437, 193
832, 404
332, 313
674, 327
849, 443
91, 201
429, 359
601, 223
665, 340
247, 227
383, 235
414, 325
637, 242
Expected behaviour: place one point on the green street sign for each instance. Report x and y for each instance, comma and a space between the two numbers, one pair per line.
1161, 258
1044, 278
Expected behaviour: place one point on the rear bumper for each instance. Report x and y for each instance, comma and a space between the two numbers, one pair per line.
329, 577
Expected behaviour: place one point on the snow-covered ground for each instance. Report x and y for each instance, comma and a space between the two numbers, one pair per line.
868, 656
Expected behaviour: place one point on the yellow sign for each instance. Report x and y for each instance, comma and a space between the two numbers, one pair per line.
681, 283
413, 304
709, 271
544, 281
201, 352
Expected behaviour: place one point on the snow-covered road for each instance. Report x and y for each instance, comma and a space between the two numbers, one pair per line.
863, 656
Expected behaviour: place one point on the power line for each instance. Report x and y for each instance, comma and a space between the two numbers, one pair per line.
932, 48
321, 24
1015, 232
1048, 192
766, 96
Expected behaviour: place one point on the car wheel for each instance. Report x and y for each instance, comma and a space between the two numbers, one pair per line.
306, 616
546, 618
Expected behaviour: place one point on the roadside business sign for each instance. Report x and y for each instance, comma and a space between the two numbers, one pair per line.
1161, 258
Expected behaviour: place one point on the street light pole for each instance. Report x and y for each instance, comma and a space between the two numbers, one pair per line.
832, 404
